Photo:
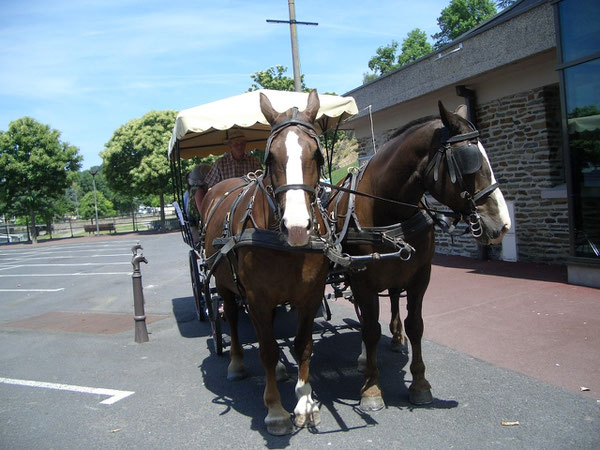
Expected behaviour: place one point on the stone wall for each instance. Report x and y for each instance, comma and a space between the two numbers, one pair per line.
521, 134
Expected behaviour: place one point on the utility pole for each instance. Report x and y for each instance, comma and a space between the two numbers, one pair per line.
294, 37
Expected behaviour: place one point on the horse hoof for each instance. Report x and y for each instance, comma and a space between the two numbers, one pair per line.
280, 427
371, 404
281, 372
236, 370
398, 347
308, 420
236, 375
361, 364
420, 397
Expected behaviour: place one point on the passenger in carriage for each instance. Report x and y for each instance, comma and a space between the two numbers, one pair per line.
236, 163
196, 182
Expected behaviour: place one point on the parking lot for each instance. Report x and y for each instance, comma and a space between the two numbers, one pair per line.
71, 375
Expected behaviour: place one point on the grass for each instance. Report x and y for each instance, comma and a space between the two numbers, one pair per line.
340, 173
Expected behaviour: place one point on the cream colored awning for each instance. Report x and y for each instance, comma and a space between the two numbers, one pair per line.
202, 130
580, 124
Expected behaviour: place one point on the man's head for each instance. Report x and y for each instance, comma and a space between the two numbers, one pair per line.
237, 143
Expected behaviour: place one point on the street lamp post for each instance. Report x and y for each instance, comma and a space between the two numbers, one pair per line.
93, 172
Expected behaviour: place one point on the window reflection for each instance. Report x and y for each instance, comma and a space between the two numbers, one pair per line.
580, 28
582, 87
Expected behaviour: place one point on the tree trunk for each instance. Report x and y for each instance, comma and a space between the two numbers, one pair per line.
133, 217
33, 227
162, 213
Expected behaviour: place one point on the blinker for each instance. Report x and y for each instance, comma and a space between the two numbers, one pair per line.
468, 158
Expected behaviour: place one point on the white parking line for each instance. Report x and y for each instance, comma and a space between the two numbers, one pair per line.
32, 290
63, 274
114, 395
72, 264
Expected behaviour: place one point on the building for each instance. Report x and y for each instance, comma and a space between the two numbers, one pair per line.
531, 79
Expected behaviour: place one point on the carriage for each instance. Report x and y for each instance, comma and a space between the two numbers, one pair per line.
374, 231
202, 131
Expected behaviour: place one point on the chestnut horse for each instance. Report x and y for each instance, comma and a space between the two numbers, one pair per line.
271, 221
385, 223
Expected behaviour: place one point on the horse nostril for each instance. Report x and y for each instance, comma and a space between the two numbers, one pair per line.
308, 224
505, 229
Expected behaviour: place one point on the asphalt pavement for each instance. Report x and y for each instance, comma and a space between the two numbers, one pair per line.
504, 343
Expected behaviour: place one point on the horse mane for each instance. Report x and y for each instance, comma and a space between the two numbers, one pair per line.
412, 124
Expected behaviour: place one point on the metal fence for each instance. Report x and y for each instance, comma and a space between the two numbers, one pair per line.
11, 233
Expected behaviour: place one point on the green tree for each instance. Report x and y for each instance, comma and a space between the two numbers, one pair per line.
274, 78
384, 60
87, 208
461, 16
414, 46
135, 162
34, 168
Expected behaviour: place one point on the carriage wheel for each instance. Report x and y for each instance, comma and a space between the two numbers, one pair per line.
214, 312
197, 288
216, 326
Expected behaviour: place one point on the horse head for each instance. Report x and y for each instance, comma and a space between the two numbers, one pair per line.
460, 176
293, 161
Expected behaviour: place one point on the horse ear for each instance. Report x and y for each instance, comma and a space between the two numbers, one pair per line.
312, 106
267, 109
448, 119
462, 112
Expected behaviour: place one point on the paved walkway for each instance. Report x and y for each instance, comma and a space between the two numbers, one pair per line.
520, 316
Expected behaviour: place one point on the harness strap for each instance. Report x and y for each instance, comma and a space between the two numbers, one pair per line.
287, 187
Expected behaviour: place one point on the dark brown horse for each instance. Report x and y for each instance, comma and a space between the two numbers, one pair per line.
442, 156
270, 268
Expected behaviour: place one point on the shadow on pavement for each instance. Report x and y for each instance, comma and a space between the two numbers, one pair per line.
334, 377
532, 271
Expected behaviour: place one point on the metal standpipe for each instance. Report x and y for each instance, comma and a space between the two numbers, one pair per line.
141, 332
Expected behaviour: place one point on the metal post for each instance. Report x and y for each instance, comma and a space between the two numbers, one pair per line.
93, 172
141, 332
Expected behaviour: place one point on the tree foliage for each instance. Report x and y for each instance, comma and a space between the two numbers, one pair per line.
134, 160
274, 78
87, 208
386, 59
461, 16
414, 47
34, 168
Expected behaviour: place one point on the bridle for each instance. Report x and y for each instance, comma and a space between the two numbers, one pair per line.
308, 129
462, 160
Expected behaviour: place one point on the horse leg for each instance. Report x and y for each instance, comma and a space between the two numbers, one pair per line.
371, 398
236, 369
278, 420
398, 343
306, 412
419, 392
280, 369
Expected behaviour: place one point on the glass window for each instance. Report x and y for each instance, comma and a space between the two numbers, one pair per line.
580, 28
582, 89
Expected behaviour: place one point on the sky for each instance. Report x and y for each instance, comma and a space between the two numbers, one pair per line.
86, 67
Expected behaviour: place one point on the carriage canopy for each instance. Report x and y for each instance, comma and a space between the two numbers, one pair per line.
203, 130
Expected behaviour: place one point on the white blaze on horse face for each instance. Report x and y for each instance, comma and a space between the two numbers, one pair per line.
296, 217
498, 197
